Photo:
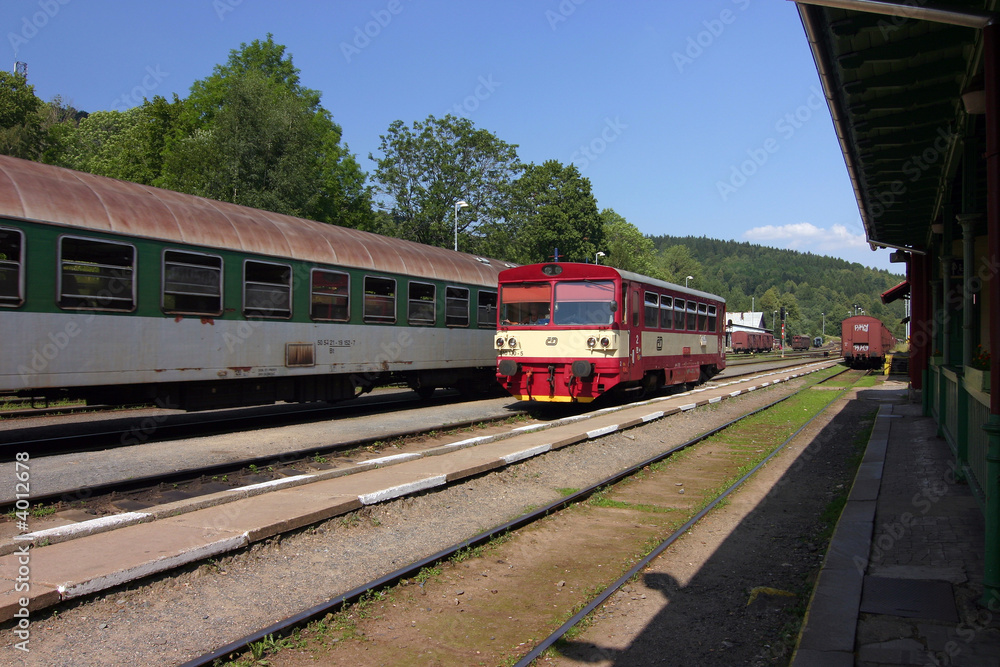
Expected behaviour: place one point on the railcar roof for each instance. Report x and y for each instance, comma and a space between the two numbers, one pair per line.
603, 271
43, 193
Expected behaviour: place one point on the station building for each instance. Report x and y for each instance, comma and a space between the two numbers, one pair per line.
914, 92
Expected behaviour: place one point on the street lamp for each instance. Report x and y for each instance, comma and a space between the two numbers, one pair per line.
687, 279
461, 203
824, 326
598, 256
774, 314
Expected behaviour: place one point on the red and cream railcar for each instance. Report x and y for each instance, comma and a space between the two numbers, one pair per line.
571, 332
866, 341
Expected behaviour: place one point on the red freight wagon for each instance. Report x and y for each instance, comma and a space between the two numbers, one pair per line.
865, 341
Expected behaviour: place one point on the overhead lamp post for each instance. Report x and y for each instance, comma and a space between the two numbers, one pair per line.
598, 256
461, 203
774, 314
824, 326
687, 279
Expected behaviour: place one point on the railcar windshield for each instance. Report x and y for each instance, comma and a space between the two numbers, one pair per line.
525, 303
585, 303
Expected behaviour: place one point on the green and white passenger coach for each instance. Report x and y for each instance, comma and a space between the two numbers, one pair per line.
116, 292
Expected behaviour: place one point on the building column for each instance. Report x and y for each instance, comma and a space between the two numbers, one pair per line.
991, 71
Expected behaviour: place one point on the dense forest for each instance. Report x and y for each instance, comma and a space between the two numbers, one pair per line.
250, 133
812, 288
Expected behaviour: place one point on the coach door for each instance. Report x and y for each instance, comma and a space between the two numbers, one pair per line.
633, 369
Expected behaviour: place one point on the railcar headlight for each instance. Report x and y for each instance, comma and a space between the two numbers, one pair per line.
591, 342
500, 342
605, 341
512, 341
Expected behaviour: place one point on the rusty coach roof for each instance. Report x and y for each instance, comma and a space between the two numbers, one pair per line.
43, 193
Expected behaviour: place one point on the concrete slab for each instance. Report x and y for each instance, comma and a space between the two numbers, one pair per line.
261, 517
38, 597
96, 562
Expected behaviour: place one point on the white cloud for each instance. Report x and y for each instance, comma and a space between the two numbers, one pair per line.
808, 237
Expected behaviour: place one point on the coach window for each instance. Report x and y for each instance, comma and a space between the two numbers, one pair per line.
487, 309
652, 310
713, 319
702, 317
666, 312
679, 305
380, 299
330, 296
11, 272
692, 316
267, 289
96, 275
420, 309
456, 308
192, 283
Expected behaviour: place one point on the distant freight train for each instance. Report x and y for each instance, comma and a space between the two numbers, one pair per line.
865, 341
751, 341
801, 342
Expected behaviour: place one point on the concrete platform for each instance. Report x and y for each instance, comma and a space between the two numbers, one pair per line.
80, 559
903, 575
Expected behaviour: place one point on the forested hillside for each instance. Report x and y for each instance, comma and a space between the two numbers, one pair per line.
807, 285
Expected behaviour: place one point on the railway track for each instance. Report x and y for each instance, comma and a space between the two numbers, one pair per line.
130, 491
252, 642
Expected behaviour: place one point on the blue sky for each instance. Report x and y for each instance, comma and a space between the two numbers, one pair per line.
689, 118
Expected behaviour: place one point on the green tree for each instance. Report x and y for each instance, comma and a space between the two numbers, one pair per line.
552, 208
424, 170
677, 263
626, 247
20, 123
251, 134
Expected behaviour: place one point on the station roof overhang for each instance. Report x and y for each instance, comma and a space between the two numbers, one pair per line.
902, 80
900, 291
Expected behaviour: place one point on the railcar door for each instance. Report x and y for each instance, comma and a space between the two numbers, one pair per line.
632, 325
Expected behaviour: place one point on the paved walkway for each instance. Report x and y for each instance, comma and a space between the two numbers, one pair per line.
903, 576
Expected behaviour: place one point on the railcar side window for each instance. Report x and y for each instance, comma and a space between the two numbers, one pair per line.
487, 309
692, 316
666, 312
679, 306
192, 283
702, 317
96, 275
11, 272
267, 289
380, 299
712, 319
456, 309
330, 296
652, 309
421, 305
